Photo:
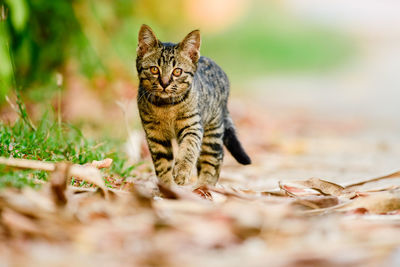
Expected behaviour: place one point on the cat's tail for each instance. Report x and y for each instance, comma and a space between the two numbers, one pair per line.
232, 143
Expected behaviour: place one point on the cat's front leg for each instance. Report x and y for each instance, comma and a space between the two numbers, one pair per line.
211, 155
189, 139
161, 153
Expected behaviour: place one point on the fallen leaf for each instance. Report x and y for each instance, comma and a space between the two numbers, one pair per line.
381, 202
203, 192
324, 187
58, 183
358, 211
105, 163
17, 222
317, 201
89, 174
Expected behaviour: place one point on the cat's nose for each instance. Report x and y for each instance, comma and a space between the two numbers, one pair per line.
165, 82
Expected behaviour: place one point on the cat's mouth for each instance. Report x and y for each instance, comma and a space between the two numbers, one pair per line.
165, 94
162, 97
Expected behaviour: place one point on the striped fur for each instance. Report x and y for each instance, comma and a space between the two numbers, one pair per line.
184, 96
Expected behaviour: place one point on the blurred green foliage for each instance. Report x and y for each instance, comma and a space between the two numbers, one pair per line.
37, 38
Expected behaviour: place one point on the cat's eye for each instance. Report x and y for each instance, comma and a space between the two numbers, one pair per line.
177, 72
154, 70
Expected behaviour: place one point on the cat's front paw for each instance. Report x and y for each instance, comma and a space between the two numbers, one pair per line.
180, 173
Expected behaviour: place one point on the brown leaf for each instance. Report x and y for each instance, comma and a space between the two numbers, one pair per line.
381, 202
17, 222
203, 192
58, 182
358, 211
229, 192
167, 192
89, 174
317, 202
296, 191
324, 187
105, 163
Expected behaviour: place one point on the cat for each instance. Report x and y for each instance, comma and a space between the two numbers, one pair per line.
183, 96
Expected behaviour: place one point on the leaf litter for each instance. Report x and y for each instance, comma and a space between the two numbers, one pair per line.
149, 224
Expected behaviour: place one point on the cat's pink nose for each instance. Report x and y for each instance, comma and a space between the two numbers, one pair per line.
165, 82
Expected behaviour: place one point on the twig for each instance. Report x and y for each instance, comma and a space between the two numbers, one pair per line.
28, 164
87, 173
59, 79
323, 210
22, 110
391, 175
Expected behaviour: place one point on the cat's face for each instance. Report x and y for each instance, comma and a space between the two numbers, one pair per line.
166, 70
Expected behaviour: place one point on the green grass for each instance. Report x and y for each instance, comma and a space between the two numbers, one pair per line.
54, 142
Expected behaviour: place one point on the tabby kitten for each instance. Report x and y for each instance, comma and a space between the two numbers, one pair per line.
184, 96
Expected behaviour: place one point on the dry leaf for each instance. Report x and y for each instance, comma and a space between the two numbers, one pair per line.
317, 202
381, 202
58, 183
105, 163
17, 222
325, 187
203, 192
89, 174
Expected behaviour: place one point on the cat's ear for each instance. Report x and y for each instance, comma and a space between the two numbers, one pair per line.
190, 46
147, 40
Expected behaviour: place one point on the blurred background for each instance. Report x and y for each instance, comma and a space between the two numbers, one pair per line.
92, 44
336, 58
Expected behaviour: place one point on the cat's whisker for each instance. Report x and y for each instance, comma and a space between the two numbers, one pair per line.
143, 94
140, 96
